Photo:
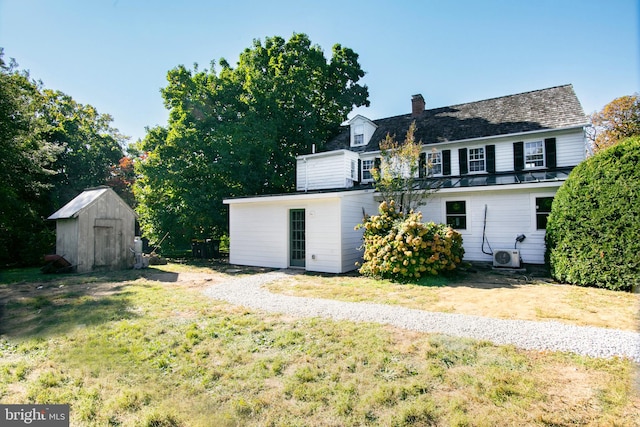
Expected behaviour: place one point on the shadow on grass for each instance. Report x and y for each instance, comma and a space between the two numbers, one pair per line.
36, 304
58, 313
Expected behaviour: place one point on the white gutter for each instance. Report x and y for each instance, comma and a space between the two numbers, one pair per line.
499, 187
296, 196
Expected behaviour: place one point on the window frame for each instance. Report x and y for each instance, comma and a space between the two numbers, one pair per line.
464, 215
358, 135
430, 169
371, 163
536, 213
483, 160
527, 156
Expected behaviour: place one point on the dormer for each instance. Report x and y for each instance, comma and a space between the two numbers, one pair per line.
361, 131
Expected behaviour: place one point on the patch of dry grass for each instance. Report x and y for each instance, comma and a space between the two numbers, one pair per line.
481, 295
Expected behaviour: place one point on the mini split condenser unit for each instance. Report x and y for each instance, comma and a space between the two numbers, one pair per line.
506, 258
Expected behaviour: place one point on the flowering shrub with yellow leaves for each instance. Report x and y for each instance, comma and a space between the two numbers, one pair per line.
402, 247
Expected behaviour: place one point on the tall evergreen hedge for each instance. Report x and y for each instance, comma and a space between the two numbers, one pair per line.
593, 231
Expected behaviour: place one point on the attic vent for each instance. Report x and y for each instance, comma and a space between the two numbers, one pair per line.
417, 105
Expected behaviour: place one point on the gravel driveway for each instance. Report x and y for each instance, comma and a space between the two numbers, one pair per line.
586, 340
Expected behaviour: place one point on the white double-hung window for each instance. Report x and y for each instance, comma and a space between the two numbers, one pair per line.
434, 164
367, 167
358, 135
533, 154
476, 160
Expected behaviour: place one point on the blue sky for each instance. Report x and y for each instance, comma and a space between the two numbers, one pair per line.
114, 54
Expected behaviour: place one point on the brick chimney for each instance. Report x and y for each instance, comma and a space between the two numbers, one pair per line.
417, 105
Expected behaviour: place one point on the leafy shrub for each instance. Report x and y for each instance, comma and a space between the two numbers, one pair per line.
592, 232
402, 247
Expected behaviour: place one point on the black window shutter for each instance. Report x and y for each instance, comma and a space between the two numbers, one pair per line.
422, 166
550, 152
376, 165
462, 159
359, 177
446, 162
518, 156
491, 158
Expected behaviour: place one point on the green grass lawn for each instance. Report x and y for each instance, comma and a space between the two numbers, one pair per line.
126, 350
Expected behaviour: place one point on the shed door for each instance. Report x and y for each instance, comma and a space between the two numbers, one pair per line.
104, 247
106, 239
296, 238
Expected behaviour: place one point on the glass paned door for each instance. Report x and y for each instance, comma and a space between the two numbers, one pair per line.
296, 238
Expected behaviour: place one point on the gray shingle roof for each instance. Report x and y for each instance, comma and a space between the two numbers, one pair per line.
553, 108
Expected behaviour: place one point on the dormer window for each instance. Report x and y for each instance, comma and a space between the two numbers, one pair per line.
361, 131
358, 135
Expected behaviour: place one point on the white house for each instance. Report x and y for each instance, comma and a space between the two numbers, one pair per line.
498, 163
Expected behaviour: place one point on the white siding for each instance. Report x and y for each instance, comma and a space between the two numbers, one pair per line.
332, 169
259, 230
352, 209
259, 234
325, 170
570, 149
504, 156
323, 235
509, 213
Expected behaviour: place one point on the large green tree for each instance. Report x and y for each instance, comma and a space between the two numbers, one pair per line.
26, 165
89, 146
51, 148
236, 131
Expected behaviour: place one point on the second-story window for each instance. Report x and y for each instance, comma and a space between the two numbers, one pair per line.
358, 135
476, 160
533, 154
367, 166
434, 163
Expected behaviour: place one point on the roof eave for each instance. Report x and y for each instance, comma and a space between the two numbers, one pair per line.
507, 135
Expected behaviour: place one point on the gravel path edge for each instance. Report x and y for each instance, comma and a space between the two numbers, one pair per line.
529, 335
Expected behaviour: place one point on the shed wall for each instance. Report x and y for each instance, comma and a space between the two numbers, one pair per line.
67, 240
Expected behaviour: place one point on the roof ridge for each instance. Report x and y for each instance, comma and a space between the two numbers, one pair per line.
473, 102
505, 96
